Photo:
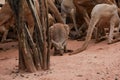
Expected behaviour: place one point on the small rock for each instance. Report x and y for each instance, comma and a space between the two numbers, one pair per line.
27, 77
12, 45
107, 73
14, 78
102, 78
22, 75
16, 59
98, 73
12, 71
79, 75
95, 57
116, 78
100, 49
50, 72
16, 65
35, 74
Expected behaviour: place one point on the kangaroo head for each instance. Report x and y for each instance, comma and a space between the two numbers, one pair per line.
59, 47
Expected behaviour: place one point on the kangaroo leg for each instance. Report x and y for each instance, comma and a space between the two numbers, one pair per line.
96, 34
112, 25
110, 37
74, 20
86, 18
4, 36
118, 29
67, 50
64, 15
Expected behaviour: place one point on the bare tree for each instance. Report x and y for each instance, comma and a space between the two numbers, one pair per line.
33, 56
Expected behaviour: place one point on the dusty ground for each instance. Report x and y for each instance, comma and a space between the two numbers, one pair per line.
99, 62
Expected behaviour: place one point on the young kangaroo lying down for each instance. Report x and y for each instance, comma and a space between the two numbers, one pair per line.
99, 12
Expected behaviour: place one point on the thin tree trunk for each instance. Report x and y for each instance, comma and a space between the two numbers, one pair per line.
55, 11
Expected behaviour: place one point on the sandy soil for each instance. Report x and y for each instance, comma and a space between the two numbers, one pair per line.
99, 62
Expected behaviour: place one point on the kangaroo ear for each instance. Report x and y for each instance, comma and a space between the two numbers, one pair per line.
64, 42
54, 42
67, 28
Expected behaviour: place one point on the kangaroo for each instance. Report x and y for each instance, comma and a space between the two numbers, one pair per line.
102, 11
59, 35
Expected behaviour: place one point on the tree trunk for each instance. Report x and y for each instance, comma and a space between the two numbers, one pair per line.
55, 11
33, 56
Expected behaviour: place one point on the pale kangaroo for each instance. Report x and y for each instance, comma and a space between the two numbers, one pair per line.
101, 11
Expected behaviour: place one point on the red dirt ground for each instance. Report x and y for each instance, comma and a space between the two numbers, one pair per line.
99, 62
